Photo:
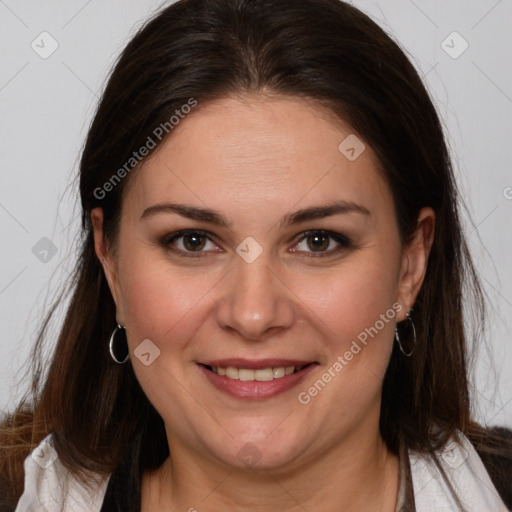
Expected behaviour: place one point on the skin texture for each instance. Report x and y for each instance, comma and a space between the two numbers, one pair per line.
256, 159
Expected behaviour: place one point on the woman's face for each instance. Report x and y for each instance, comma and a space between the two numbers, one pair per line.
268, 277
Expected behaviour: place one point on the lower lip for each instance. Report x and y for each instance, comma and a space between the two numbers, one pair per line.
256, 389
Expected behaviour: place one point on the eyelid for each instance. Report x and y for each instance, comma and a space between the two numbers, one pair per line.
343, 241
166, 240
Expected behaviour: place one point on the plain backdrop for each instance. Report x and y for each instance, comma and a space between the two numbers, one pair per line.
462, 48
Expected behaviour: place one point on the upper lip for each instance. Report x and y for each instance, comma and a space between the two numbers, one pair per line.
255, 364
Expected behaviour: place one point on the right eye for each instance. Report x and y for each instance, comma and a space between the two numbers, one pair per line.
186, 243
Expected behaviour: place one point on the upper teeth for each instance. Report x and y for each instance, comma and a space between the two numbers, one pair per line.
263, 374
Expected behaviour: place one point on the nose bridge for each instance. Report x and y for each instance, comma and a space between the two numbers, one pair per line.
254, 300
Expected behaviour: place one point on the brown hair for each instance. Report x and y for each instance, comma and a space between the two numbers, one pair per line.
321, 50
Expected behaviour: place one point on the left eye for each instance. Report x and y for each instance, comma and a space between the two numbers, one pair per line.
322, 242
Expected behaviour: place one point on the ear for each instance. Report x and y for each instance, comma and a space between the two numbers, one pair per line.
414, 261
108, 261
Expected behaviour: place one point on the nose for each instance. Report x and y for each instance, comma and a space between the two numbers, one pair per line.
255, 303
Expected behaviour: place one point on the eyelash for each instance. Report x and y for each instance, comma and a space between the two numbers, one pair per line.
343, 241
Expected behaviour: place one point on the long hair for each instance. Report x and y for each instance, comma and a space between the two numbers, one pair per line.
325, 51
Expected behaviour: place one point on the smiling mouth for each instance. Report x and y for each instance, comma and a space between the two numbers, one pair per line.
260, 375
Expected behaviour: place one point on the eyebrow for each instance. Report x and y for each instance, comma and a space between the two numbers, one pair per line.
215, 218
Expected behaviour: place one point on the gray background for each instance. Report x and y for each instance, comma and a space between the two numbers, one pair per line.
46, 105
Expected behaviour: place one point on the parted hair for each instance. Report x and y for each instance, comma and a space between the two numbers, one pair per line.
324, 51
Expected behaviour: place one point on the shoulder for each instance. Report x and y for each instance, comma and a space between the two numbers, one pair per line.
49, 486
452, 477
494, 446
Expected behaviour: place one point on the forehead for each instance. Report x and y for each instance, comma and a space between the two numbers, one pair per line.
259, 151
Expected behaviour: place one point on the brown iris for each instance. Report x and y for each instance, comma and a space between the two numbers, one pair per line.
194, 241
318, 242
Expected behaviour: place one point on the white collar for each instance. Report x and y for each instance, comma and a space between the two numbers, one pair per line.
49, 487
465, 473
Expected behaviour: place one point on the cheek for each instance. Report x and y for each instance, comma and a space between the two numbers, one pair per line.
167, 306
356, 308
162, 302
352, 297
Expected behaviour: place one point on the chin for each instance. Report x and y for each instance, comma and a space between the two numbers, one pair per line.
259, 452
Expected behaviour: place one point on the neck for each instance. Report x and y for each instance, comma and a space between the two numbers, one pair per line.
353, 475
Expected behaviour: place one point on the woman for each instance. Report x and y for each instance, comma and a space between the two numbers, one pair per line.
267, 310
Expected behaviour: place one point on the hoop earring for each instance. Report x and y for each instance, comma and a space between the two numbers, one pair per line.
407, 354
111, 346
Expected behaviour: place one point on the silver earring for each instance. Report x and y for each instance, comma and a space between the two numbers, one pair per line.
111, 346
397, 336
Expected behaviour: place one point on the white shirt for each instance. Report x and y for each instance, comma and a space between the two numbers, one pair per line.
49, 487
